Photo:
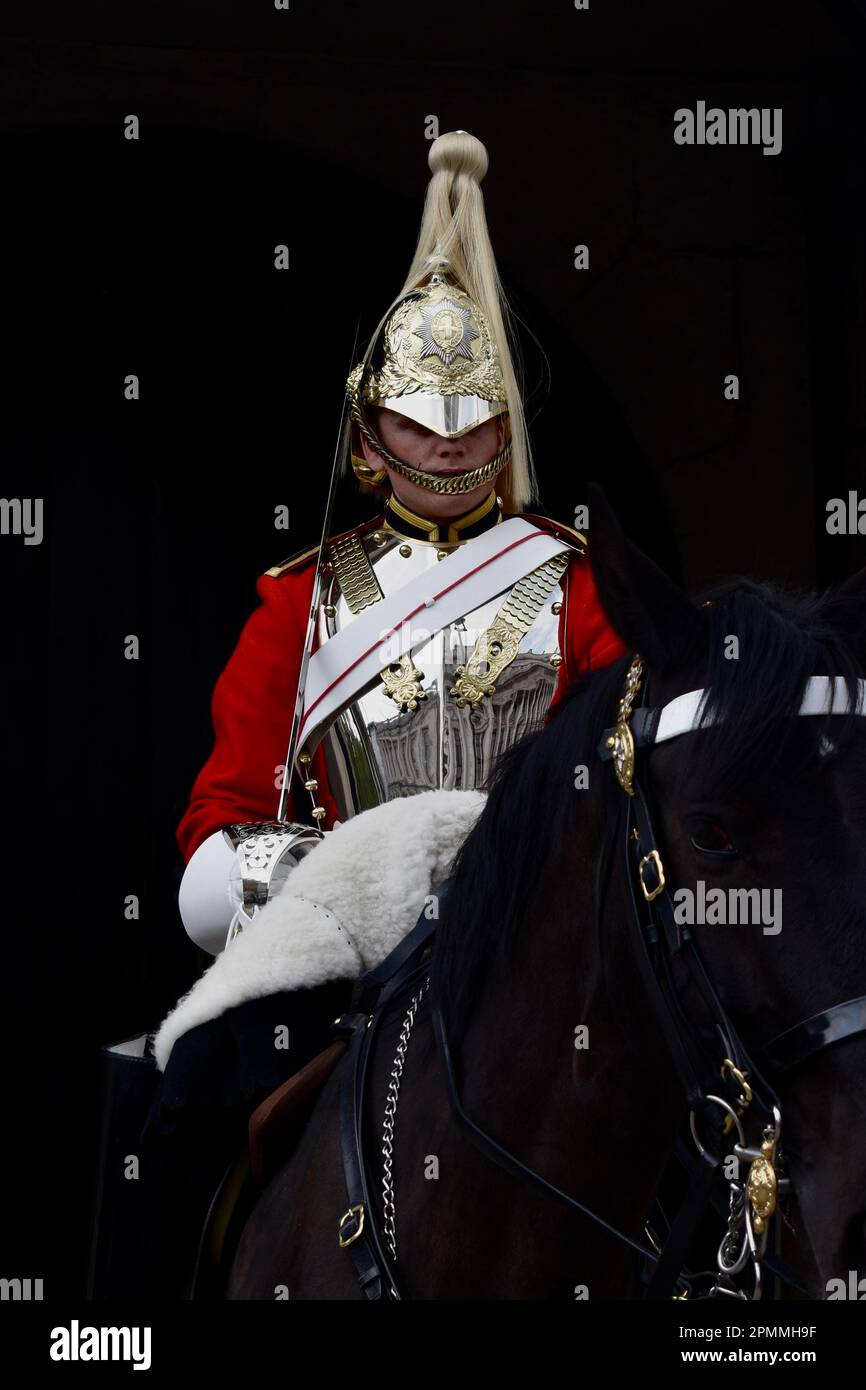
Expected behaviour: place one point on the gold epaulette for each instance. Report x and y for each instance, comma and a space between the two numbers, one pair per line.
295, 560
559, 528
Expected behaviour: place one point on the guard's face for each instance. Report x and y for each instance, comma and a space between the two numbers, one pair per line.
424, 448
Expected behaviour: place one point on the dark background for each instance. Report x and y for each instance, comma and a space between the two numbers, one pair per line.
155, 257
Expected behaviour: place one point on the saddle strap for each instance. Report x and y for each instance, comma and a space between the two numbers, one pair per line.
357, 1229
356, 1232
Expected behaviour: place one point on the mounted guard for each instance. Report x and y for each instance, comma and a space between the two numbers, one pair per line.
401, 657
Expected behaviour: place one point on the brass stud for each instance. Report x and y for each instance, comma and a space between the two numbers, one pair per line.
378, 537
610, 742
329, 610
319, 812
311, 785
556, 659
440, 554
405, 551
556, 607
304, 758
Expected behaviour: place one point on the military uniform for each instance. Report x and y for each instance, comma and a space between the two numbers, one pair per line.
381, 747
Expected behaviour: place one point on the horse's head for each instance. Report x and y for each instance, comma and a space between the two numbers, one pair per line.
753, 795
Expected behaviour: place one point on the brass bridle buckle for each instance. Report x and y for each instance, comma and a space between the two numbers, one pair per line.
653, 858
354, 1213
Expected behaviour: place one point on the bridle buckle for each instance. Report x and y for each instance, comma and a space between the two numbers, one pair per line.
653, 858
355, 1213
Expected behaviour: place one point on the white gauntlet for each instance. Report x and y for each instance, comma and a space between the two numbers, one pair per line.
234, 872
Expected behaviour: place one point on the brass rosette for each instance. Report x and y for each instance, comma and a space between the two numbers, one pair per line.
621, 741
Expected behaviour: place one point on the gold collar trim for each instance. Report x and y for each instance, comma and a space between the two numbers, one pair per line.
404, 522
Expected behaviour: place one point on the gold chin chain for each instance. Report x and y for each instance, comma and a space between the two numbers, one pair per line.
433, 482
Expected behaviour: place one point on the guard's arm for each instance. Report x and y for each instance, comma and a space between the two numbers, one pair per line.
236, 794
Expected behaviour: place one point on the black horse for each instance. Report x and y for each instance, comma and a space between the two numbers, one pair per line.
544, 999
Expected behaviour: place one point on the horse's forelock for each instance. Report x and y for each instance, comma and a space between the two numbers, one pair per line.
764, 645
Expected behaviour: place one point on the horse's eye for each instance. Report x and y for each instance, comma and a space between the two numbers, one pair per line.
713, 839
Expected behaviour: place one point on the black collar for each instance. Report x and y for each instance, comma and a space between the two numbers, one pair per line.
452, 529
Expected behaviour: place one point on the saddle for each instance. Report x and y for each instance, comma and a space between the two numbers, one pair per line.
274, 1129
276, 1125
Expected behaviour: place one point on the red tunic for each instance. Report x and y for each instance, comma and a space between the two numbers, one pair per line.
254, 697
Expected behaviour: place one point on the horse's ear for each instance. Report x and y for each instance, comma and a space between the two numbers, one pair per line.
650, 612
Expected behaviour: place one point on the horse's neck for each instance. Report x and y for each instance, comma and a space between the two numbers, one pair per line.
563, 1057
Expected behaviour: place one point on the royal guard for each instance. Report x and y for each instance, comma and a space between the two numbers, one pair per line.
444, 630
403, 656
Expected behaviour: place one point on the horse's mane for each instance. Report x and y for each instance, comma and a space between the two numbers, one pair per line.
784, 638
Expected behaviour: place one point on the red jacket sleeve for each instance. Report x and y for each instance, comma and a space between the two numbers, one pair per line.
586, 639
252, 707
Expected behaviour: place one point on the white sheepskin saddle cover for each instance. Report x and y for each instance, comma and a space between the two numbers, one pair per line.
340, 912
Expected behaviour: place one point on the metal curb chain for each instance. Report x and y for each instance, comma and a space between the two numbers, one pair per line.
389, 1210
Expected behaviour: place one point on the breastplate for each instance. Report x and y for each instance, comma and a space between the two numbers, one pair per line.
380, 747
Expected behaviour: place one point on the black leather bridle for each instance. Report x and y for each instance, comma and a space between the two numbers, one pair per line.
654, 910
667, 953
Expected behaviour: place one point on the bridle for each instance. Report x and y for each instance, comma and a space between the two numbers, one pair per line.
730, 1081
726, 1088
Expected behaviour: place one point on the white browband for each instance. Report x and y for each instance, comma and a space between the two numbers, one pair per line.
823, 695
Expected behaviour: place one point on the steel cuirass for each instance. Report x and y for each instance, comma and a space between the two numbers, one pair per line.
440, 717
